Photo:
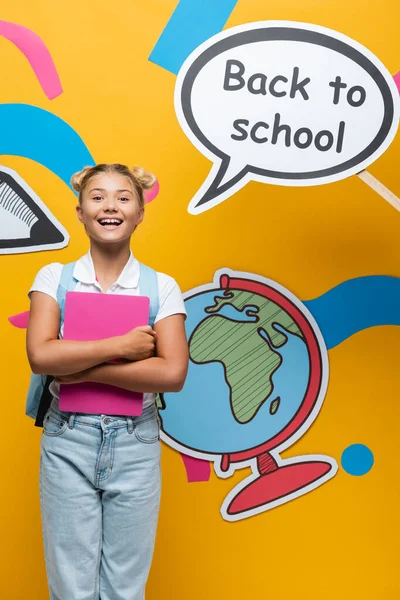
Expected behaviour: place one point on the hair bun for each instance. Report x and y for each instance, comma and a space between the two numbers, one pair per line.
145, 179
77, 178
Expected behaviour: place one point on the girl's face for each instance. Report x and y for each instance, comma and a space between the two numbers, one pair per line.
110, 208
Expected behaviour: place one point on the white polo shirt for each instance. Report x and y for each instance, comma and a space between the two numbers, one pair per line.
170, 297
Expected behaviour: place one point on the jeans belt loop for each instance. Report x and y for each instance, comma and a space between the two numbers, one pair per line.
71, 420
130, 424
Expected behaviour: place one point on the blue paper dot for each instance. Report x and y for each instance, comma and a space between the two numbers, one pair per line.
357, 459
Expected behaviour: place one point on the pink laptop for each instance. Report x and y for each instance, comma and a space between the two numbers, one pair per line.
91, 316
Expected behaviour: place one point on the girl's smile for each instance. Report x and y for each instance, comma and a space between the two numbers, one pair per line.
110, 224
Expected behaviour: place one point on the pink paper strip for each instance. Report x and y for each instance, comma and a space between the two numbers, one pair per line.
196, 469
152, 193
37, 54
20, 320
397, 80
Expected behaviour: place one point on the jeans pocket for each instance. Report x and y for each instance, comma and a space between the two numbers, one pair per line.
54, 425
148, 431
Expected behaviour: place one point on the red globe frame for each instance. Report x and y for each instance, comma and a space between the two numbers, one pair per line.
316, 372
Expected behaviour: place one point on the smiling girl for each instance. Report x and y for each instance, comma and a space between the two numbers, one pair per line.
100, 474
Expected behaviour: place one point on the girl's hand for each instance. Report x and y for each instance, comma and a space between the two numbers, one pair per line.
139, 344
73, 377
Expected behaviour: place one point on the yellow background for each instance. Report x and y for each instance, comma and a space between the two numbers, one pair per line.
340, 541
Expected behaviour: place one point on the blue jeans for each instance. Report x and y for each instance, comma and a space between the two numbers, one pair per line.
100, 493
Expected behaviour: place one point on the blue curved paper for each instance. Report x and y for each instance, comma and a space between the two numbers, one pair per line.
41, 136
191, 24
355, 305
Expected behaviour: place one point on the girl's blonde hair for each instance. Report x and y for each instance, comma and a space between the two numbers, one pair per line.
141, 180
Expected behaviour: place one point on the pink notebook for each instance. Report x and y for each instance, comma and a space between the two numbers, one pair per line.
90, 316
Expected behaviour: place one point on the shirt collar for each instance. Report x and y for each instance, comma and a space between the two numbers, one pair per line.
85, 273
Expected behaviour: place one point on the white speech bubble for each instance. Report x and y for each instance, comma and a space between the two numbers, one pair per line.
285, 103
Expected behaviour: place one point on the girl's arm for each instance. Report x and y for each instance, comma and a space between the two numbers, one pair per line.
49, 355
164, 373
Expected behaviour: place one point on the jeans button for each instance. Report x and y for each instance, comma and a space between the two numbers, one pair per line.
107, 421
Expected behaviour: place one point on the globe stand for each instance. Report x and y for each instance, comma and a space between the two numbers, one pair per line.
275, 483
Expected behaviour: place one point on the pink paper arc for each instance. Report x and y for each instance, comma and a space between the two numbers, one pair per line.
20, 320
37, 54
152, 193
397, 80
197, 470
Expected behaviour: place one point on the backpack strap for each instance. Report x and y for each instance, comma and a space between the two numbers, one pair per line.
67, 284
149, 287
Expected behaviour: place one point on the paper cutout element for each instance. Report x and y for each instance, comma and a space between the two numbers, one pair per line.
355, 305
26, 224
236, 327
196, 470
397, 80
43, 137
20, 320
37, 54
192, 22
357, 460
151, 194
293, 104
